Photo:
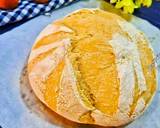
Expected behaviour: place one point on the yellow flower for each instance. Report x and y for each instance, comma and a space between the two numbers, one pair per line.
143, 2
147, 3
138, 3
128, 9
127, 5
113, 1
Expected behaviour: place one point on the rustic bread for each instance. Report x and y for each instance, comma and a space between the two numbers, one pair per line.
92, 67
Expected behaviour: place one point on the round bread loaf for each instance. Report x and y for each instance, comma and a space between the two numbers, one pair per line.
93, 67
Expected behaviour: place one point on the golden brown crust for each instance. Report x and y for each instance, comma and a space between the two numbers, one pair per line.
88, 68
